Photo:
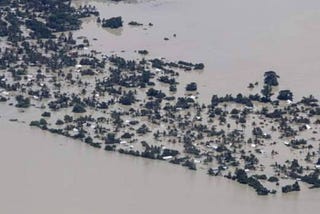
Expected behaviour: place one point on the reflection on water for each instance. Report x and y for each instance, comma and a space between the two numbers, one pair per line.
116, 32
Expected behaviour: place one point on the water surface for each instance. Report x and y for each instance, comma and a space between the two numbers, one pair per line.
238, 41
43, 173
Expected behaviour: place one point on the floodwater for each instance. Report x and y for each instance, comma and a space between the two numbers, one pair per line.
43, 173
238, 41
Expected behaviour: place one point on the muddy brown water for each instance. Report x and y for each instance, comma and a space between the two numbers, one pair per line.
42, 173
238, 41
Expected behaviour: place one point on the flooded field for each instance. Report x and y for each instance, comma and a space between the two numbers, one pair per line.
237, 41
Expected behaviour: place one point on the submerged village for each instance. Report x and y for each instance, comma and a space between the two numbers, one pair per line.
267, 140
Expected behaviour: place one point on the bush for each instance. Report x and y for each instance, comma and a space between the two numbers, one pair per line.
191, 86
46, 114
114, 22
22, 102
78, 108
285, 95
